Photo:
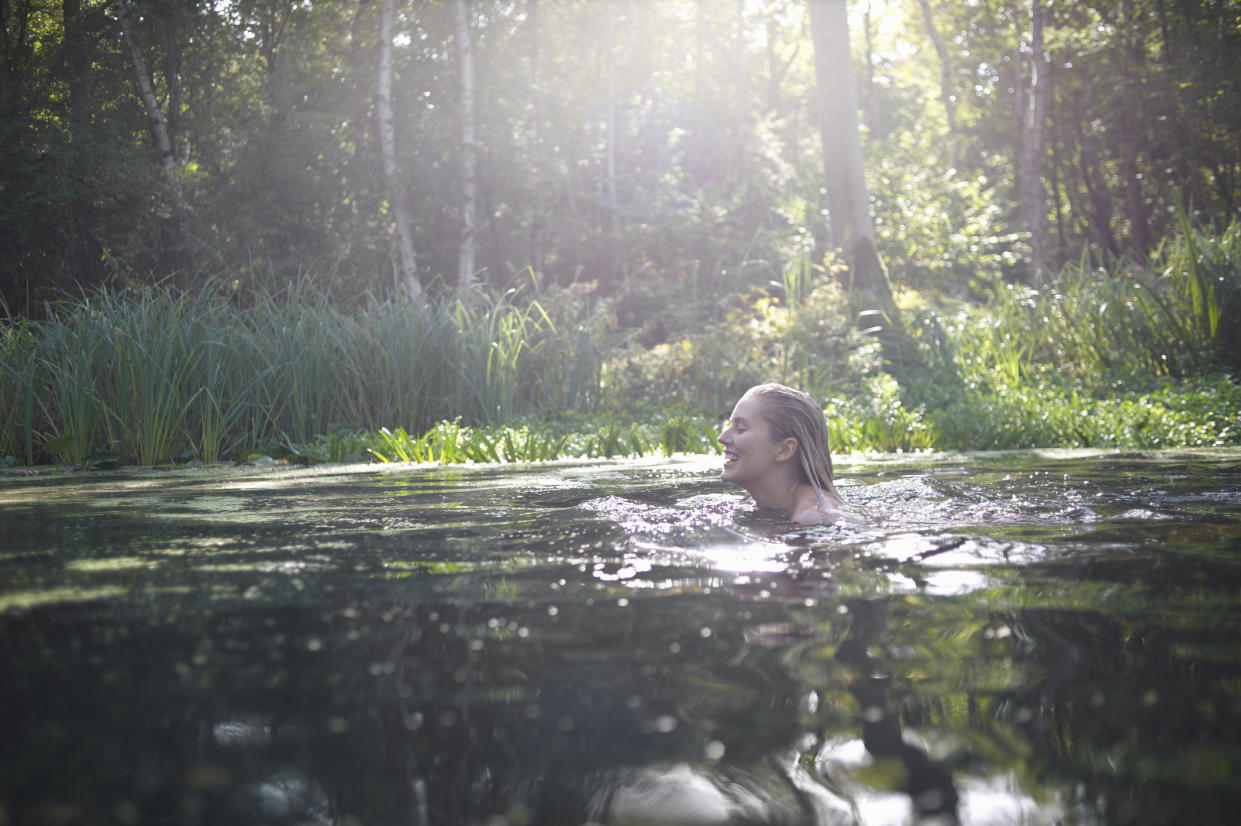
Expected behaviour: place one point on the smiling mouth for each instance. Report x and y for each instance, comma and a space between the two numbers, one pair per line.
730, 458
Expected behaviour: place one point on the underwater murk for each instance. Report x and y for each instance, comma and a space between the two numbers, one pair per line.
1031, 637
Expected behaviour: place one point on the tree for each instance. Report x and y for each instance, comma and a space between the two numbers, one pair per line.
945, 68
156, 122
847, 199
406, 258
469, 164
1033, 196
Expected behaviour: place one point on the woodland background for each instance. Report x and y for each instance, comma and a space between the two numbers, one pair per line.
658, 198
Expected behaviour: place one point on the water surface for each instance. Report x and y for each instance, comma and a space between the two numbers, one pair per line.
1035, 637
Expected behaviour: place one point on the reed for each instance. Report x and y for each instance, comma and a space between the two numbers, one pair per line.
151, 374
19, 379
1175, 316
70, 358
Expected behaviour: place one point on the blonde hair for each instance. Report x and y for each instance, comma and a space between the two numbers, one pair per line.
793, 414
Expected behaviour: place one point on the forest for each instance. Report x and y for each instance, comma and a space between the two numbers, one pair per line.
503, 230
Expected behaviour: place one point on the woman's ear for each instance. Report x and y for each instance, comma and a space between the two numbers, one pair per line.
787, 449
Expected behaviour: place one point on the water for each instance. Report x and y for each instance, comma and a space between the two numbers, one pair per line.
1019, 638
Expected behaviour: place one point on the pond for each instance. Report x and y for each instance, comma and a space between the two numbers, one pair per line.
1033, 637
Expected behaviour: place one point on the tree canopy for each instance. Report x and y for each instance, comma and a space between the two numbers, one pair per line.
634, 146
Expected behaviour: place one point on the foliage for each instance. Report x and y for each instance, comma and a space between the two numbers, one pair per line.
635, 433
150, 373
796, 331
1195, 413
1118, 357
666, 152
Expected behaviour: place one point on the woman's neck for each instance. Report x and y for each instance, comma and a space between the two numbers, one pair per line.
782, 494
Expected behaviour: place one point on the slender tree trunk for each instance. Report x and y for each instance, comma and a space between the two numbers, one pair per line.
77, 64
1133, 36
871, 110
469, 184
155, 121
945, 77
14, 44
1058, 156
1135, 206
81, 252
609, 160
847, 199
168, 22
1100, 195
613, 223
743, 64
537, 170
1017, 62
1033, 195
407, 261
1098, 219
778, 67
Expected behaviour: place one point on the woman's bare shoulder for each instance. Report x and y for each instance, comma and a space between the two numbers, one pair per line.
819, 515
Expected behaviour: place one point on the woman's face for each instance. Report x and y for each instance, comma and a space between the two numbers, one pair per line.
749, 450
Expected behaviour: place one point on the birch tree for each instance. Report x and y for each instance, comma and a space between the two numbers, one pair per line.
1033, 196
156, 121
537, 166
406, 259
469, 183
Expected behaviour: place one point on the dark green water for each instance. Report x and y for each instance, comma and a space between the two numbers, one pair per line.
1022, 638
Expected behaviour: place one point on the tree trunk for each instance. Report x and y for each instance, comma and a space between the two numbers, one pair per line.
613, 224
155, 121
1033, 195
465, 60
537, 169
872, 112
847, 199
14, 45
1098, 192
406, 259
945, 75
1017, 64
81, 252
777, 67
1133, 36
1059, 157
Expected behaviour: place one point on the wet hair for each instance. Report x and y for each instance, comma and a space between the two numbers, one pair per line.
793, 414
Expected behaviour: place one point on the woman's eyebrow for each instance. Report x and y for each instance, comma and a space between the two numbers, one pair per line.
739, 420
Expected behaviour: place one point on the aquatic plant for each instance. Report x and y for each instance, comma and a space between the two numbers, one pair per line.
635, 433
1123, 356
1176, 315
19, 378
151, 373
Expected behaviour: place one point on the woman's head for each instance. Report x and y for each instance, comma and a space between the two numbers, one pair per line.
774, 425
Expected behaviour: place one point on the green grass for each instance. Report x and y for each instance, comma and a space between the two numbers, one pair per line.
1124, 356
150, 374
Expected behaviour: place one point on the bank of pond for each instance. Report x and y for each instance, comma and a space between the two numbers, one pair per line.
1124, 356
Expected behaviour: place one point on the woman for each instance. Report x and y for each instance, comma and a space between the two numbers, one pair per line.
775, 446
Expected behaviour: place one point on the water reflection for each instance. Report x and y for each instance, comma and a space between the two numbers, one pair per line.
1023, 638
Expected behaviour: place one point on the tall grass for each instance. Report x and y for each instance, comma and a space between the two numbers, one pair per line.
1112, 356
1121, 356
19, 389
1175, 315
151, 374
